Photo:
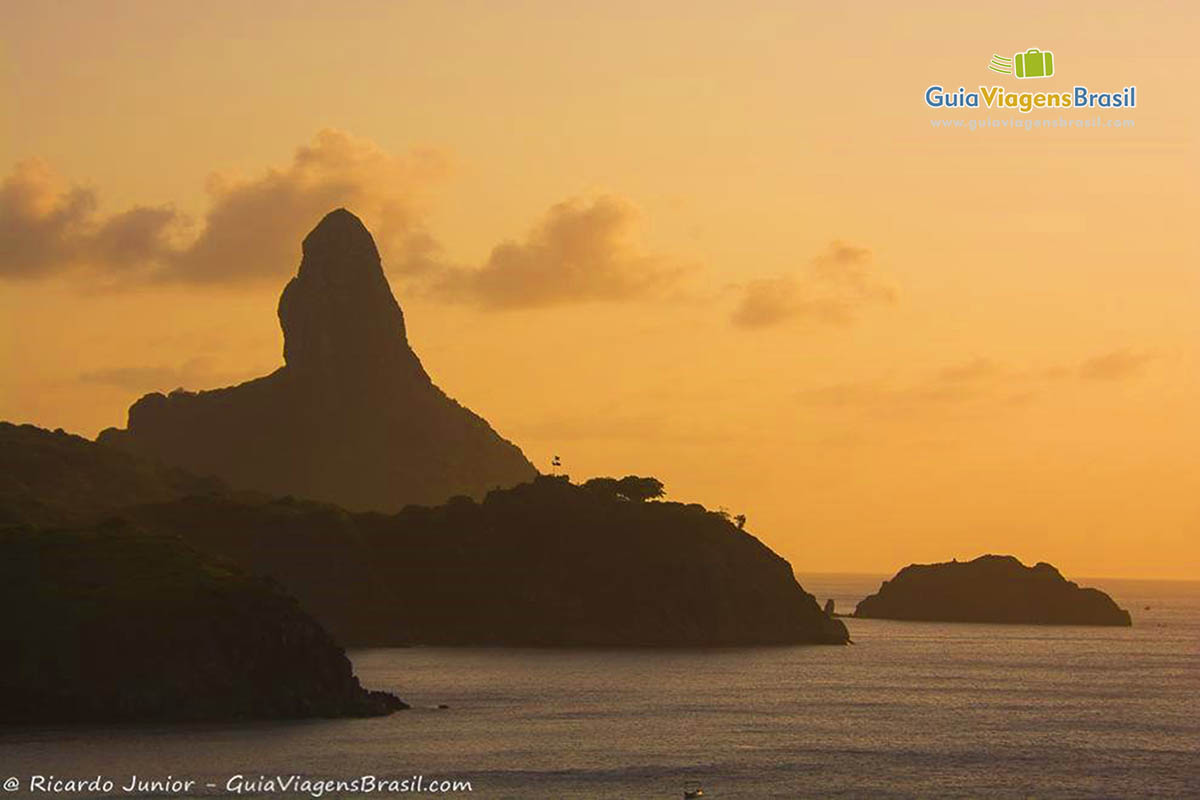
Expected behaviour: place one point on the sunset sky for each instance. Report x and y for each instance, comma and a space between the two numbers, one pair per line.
721, 244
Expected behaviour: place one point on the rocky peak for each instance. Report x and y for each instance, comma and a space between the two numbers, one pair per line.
338, 313
352, 418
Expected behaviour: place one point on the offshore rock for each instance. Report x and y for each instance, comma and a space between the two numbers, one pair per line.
990, 589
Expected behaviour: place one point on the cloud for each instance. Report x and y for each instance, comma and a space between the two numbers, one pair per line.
849, 267
196, 372
251, 230
580, 251
47, 226
882, 396
836, 286
254, 227
771, 301
978, 382
613, 422
1115, 366
972, 371
846, 394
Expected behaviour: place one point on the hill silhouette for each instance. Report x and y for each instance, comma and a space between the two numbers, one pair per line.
543, 563
53, 478
990, 589
351, 418
119, 625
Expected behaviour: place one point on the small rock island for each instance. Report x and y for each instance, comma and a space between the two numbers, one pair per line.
991, 589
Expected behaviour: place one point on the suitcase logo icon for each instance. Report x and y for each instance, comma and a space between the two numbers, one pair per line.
1033, 63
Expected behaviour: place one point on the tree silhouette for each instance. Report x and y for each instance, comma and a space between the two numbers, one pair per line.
637, 488
631, 487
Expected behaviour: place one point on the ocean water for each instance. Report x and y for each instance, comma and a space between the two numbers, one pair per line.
910, 710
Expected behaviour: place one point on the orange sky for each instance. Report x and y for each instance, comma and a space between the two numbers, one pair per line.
722, 247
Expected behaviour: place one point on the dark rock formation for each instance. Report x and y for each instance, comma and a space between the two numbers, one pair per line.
990, 589
352, 418
547, 562
544, 563
109, 624
55, 478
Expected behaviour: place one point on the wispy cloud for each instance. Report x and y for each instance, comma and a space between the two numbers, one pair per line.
195, 373
977, 382
834, 288
1115, 366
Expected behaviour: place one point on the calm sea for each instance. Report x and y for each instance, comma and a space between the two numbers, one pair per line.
910, 710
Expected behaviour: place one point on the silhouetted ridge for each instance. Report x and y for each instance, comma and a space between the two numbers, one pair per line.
54, 478
118, 625
542, 563
352, 418
990, 589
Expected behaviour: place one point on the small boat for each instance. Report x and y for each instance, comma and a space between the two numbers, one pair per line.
692, 790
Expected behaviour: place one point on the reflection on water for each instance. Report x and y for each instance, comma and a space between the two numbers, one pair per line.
911, 709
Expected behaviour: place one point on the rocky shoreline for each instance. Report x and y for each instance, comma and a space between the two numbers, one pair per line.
119, 625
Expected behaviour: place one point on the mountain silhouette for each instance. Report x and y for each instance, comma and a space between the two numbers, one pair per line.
352, 417
544, 563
